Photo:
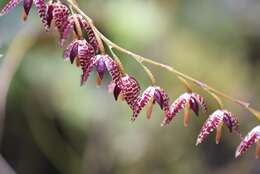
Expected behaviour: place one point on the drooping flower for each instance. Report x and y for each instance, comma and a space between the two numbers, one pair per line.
186, 101
27, 4
85, 55
253, 137
102, 63
151, 95
216, 121
129, 89
111, 66
71, 25
58, 13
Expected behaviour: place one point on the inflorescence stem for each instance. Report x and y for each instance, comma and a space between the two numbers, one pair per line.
140, 59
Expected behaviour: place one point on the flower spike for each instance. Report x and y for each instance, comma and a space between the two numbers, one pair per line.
186, 101
253, 137
151, 95
27, 4
215, 121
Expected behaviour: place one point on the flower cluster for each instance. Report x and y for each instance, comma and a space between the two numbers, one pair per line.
85, 52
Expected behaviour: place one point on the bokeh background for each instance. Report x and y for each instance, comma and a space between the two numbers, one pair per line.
54, 126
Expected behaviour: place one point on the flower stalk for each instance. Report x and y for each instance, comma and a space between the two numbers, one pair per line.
89, 54
212, 91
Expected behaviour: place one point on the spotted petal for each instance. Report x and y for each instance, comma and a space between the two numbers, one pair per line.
9, 6
252, 137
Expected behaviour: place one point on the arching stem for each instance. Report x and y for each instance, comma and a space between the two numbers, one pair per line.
212, 91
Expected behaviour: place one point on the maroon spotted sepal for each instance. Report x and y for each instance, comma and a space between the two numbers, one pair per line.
42, 9
70, 26
193, 100
85, 55
129, 89
253, 137
58, 13
216, 121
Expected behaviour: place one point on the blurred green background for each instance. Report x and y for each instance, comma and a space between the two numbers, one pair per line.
55, 126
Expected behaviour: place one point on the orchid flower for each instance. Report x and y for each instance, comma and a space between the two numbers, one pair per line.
216, 121
186, 101
59, 13
253, 137
27, 4
102, 63
80, 49
151, 95
128, 89
71, 24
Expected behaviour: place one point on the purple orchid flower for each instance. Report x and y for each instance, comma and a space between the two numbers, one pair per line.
186, 101
127, 88
151, 95
216, 121
253, 137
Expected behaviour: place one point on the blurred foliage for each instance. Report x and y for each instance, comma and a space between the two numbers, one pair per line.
55, 126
